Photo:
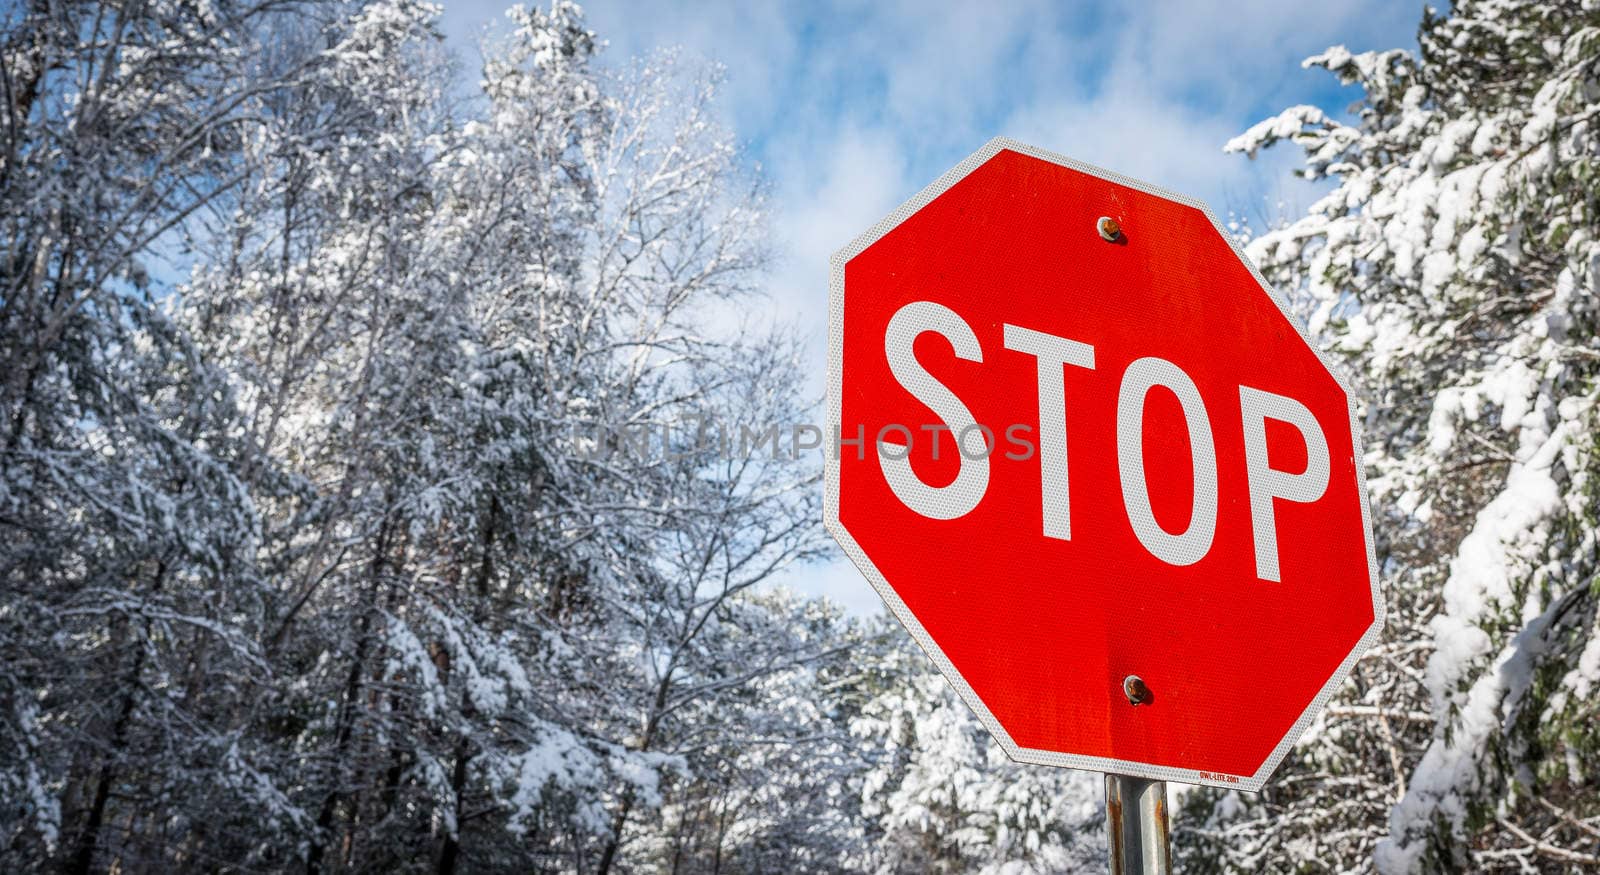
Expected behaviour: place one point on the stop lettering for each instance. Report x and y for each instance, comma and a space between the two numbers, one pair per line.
1053, 353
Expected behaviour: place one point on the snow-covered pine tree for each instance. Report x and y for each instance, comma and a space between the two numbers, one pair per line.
314, 560
508, 638
938, 794
129, 594
1456, 263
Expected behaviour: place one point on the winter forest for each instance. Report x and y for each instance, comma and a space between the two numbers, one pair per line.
311, 559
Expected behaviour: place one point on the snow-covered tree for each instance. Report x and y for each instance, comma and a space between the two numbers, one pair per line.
938, 794
129, 594
328, 556
1456, 263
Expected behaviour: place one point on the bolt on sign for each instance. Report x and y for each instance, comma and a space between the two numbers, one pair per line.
1091, 461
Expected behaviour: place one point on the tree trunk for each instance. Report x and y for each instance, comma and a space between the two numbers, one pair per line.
450, 854
347, 710
618, 823
83, 857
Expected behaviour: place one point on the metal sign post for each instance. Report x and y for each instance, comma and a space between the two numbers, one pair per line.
1136, 826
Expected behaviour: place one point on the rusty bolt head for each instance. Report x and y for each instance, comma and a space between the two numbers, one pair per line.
1135, 689
1108, 228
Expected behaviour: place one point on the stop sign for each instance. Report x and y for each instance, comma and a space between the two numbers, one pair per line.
1090, 461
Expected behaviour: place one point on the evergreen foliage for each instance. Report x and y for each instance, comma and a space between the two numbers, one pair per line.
1456, 265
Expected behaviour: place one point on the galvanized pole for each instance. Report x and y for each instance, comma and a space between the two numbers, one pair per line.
1136, 826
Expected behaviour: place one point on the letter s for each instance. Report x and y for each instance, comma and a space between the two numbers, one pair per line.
962, 494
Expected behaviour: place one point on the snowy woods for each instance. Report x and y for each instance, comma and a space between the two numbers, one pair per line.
312, 559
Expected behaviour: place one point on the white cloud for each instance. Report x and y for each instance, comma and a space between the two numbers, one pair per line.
825, 198
1169, 145
1233, 54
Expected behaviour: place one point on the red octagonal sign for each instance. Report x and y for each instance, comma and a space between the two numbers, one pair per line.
1079, 440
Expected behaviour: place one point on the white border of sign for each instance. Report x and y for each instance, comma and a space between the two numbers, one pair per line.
903, 614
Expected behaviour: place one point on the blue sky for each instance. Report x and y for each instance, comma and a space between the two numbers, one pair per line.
849, 108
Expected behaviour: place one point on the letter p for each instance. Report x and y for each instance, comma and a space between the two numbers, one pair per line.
1268, 483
